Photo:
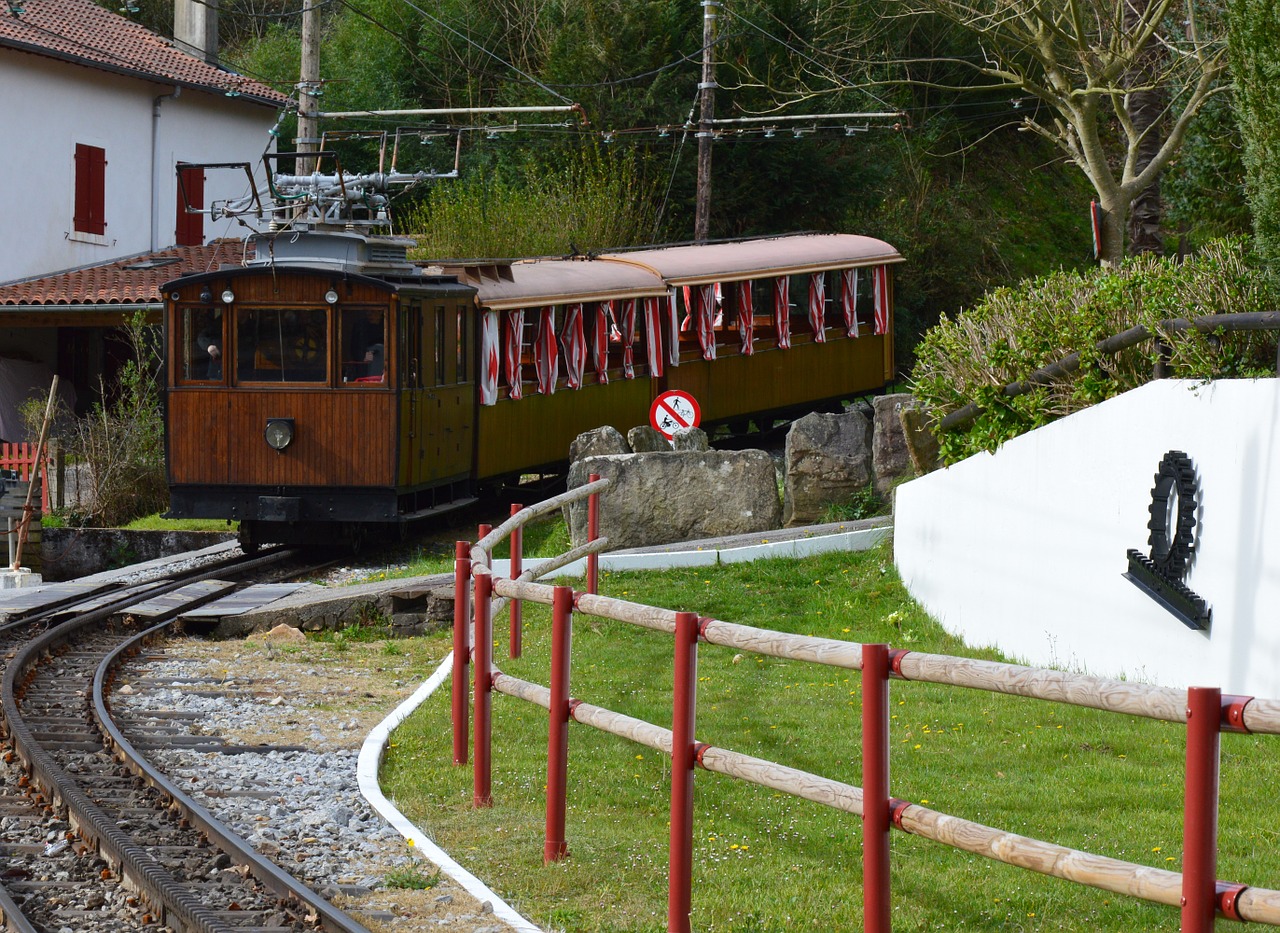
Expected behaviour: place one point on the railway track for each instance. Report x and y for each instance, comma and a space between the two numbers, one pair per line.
92, 837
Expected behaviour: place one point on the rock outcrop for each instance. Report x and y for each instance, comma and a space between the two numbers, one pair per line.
645, 439
827, 460
660, 498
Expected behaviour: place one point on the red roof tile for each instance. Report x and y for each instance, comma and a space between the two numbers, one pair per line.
80, 31
126, 281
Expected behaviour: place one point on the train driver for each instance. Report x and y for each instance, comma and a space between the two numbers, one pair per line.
364, 357
209, 343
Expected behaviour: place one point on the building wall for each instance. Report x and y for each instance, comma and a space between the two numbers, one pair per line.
1025, 549
49, 106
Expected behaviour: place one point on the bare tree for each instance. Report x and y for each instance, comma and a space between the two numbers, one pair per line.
1082, 61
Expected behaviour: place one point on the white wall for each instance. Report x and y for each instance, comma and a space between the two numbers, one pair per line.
48, 107
1024, 549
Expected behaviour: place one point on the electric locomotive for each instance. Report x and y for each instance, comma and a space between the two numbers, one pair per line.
328, 385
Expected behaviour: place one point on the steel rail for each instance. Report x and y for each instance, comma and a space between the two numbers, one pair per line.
263, 869
135, 864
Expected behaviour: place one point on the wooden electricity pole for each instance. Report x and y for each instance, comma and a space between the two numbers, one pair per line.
308, 139
706, 113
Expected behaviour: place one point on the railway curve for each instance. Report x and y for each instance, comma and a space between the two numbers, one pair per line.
95, 818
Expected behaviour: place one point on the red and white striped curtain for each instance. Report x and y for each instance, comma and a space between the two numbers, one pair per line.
653, 334
628, 337
600, 343
782, 311
546, 355
849, 300
818, 306
514, 348
686, 321
489, 357
673, 335
880, 286
705, 312
574, 345
746, 319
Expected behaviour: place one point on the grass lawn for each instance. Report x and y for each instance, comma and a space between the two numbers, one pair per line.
765, 862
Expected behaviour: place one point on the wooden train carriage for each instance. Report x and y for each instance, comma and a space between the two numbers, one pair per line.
306, 394
330, 382
753, 330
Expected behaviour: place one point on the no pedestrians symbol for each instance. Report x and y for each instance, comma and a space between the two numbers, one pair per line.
673, 410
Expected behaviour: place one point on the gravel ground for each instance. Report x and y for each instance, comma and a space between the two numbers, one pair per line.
304, 808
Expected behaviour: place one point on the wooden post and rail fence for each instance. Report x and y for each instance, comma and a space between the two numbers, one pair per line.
1206, 712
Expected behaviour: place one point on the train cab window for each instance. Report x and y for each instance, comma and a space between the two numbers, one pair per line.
363, 346
200, 342
274, 345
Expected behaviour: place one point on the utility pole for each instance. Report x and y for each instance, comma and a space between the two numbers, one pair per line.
308, 139
706, 113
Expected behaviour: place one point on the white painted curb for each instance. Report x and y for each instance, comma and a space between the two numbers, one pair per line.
375, 744
371, 752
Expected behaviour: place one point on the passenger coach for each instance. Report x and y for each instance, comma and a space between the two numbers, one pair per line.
327, 386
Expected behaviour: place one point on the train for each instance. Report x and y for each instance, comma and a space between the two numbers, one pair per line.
328, 386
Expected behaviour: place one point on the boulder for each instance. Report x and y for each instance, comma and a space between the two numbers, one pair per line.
665, 497
598, 442
282, 634
922, 443
827, 460
690, 439
890, 455
645, 439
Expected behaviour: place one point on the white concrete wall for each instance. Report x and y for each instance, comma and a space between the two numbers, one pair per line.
48, 107
1024, 549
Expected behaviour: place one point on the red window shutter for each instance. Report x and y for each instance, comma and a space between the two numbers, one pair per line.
91, 189
190, 227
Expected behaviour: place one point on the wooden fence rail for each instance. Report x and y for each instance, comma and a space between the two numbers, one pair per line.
1196, 890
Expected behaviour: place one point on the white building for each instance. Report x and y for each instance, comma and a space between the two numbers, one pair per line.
99, 114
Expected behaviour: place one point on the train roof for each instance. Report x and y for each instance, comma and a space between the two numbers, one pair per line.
796, 254
646, 273
539, 282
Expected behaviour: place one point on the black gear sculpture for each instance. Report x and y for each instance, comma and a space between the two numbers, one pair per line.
1172, 524
1173, 515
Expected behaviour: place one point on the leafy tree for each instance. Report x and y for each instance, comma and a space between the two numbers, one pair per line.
1254, 40
1077, 63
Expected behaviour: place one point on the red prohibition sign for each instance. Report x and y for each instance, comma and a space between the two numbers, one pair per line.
672, 410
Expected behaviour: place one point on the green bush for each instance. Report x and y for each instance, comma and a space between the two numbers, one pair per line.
1014, 331
121, 440
597, 200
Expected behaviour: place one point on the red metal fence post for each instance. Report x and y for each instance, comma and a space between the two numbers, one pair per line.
683, 716
482, 794
461, 648
1200, 818
593, 532
875, 788
517, 607
555, 847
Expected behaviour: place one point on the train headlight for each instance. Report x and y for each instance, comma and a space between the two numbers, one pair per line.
279, 433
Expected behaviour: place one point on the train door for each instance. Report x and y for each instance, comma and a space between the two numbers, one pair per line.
411, 457
442, 419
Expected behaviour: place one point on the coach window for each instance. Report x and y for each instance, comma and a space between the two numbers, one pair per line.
200, 343
363, 343
464, 342
274, 345
438, 344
